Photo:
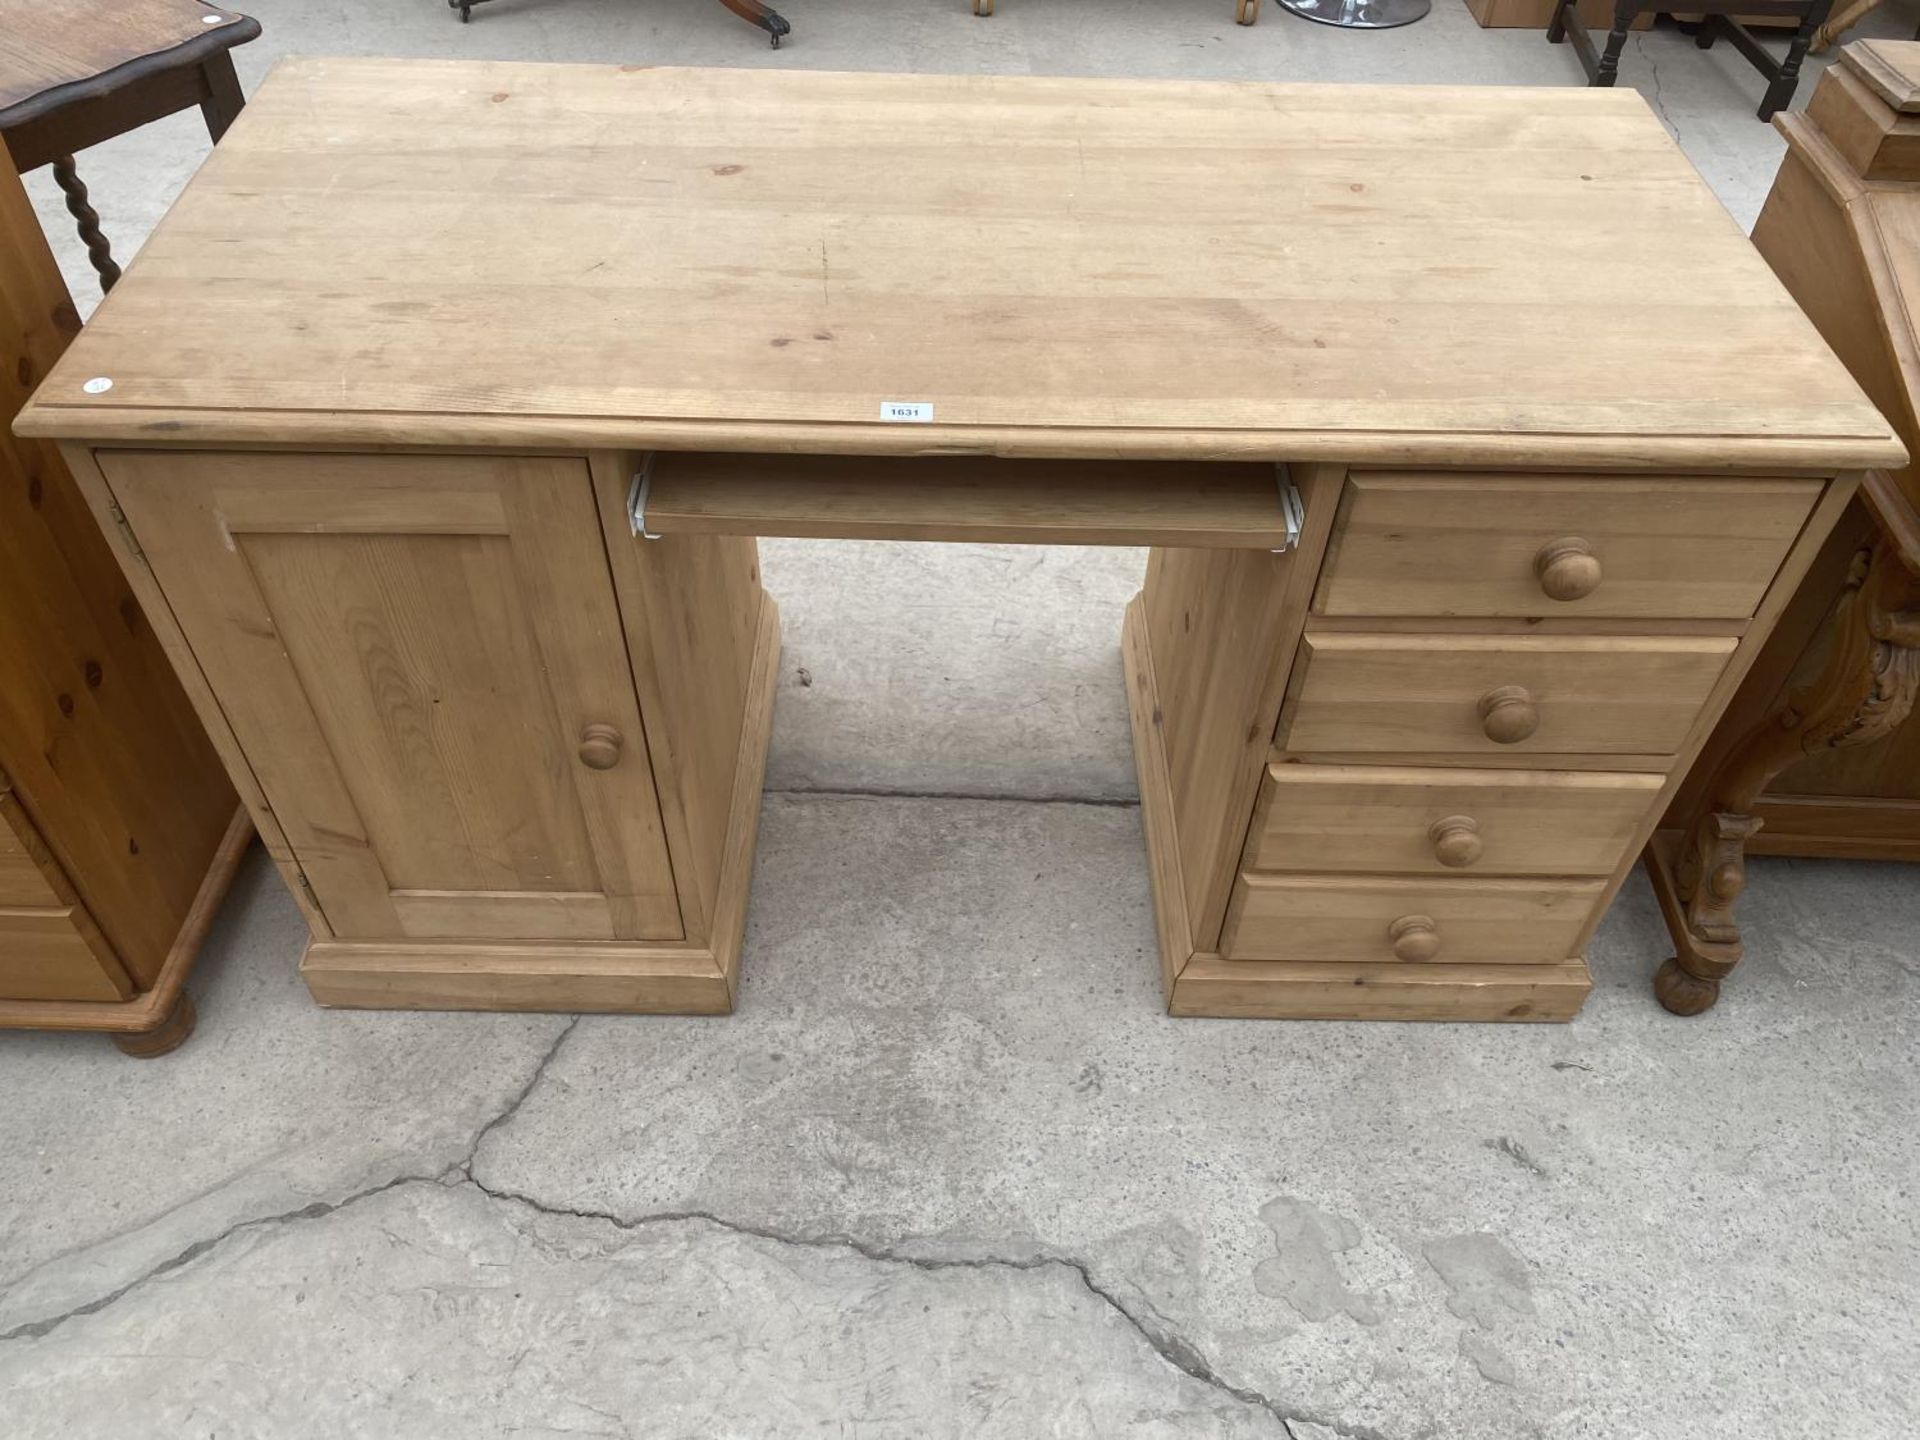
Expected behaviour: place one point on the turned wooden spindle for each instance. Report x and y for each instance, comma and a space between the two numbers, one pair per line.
1456, 841
86, 221
1567, 568
1508, 714
1414, 937
600, 747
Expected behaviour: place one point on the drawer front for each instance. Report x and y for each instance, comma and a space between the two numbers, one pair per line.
1488, 695
1446, 822
1487, 545
1452, 920
45, 956
21, 883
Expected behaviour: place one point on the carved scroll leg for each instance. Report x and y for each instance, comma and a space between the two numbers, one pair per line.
1864, 691
1712, 873
86, 221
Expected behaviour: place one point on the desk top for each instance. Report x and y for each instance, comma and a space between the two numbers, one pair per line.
456, 253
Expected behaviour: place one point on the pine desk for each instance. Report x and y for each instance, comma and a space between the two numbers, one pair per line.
1477, 449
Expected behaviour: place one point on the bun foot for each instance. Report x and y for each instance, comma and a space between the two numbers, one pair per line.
1681, 993
169, 1035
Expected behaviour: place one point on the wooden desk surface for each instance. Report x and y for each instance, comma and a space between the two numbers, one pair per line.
442, 252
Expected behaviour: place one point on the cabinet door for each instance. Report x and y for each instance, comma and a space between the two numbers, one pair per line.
423, 660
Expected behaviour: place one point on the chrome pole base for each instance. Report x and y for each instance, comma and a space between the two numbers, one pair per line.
1360, 14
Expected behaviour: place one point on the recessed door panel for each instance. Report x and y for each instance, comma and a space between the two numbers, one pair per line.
423, 659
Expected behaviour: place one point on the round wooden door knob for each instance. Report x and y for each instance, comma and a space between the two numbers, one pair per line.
600, 747
1508, 714
1456, 841
1414, 938
1567, 568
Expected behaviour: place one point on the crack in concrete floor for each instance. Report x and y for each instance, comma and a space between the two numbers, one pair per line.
1161, 1337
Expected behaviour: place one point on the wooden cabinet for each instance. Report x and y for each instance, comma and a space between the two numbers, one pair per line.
118, 830
426, 666
1818, 753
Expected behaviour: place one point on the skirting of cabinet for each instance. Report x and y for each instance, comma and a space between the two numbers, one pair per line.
1308, 990
598, 977
165, 1009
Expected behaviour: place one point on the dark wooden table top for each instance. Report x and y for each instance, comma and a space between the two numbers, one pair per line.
55, 52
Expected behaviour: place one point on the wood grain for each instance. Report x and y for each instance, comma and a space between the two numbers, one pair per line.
53, 52
693, 608
1256, 989
1377, 818
412, 701
1595, 694
1221, 630
1345, 918
104, 756
789, 250
1158, 823
962, 498
1468, 544
611, 979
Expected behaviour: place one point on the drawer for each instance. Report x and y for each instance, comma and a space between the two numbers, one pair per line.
1484, 822
1488, 694
46, 955
21, 883
1451, 920
1489, 545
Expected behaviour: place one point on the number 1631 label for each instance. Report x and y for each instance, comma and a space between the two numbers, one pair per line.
907, 412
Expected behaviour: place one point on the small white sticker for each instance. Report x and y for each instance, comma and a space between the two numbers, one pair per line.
209, 19
98, 385
907, 412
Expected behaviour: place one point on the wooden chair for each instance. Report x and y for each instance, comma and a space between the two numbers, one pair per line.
76, 72
1717, 21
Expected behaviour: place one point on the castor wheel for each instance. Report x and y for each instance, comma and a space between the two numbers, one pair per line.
1681, 993
169, 1035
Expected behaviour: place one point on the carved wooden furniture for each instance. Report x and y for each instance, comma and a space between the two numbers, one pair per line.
1813, 757
507, 748
118, 829
1719, 19
76, 72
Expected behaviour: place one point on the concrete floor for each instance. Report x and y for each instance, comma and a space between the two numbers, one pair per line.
949, 1171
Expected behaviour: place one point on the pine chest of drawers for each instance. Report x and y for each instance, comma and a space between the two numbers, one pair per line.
1481, 686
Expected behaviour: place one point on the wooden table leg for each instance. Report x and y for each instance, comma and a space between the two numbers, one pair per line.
86, 221
1865, 690
224, 99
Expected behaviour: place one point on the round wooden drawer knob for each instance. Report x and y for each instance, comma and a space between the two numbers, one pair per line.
1568, 568
1456, 841
1414, 937
600, 747
1508, 714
